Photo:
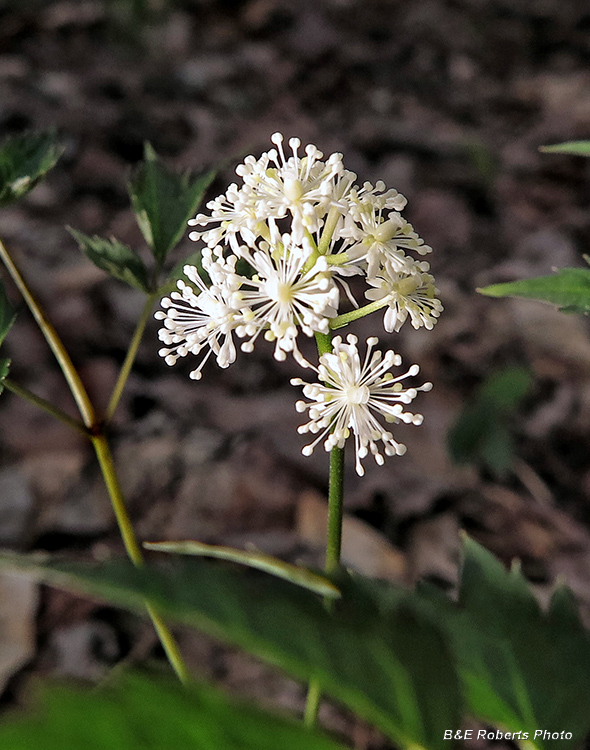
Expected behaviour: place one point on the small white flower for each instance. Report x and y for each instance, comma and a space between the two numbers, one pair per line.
351, 393
410, 292
286, 184
236, 212
379, 240
282, 297
275, 186
193, 322
379, 197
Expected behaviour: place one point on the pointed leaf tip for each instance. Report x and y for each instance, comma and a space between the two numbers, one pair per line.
24, 160
575, 148
520, 665
163, 202
568, 288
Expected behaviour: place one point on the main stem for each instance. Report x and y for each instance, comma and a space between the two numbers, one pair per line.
335, 510
95, 431
105, 459
334, 538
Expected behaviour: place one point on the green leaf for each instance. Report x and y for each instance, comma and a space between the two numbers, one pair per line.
4, 368
7, 315
295, 573
377, 651
482, 432
149, 713
521, 669
24, 160
578, 148
568, 288
164, 201
116, 259
506, 388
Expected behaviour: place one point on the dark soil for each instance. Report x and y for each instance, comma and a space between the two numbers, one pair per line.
447, 101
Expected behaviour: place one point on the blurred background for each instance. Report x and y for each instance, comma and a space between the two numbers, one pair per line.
445, 100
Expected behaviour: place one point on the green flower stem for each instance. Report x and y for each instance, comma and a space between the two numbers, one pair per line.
130, 357
342, 320
335, 510
337, 260
324, 243
105, 459
328, 230
95, 431
25, 393
323, 342
63, 358
334, 538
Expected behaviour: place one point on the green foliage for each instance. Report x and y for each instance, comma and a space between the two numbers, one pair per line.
24, 161
568, 288
393, 656
163, 202
521, 669
112, 256
149, 713
578, 148
4, 368
252, 558
482, 433
384, 659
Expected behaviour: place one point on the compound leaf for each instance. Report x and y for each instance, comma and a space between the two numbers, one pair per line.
116, 259
380, 655
522, 670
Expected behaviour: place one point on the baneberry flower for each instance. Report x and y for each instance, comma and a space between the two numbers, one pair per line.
352, 392
409, 291
278, 243
282, 297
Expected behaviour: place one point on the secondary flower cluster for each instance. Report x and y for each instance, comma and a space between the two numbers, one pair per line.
279, 248
350, 391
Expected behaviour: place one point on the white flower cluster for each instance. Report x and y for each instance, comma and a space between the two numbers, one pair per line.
350, 392
278, 249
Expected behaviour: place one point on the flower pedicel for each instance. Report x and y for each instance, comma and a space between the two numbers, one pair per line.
278, 248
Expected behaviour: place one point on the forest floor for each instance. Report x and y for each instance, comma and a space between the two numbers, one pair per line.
445, 100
